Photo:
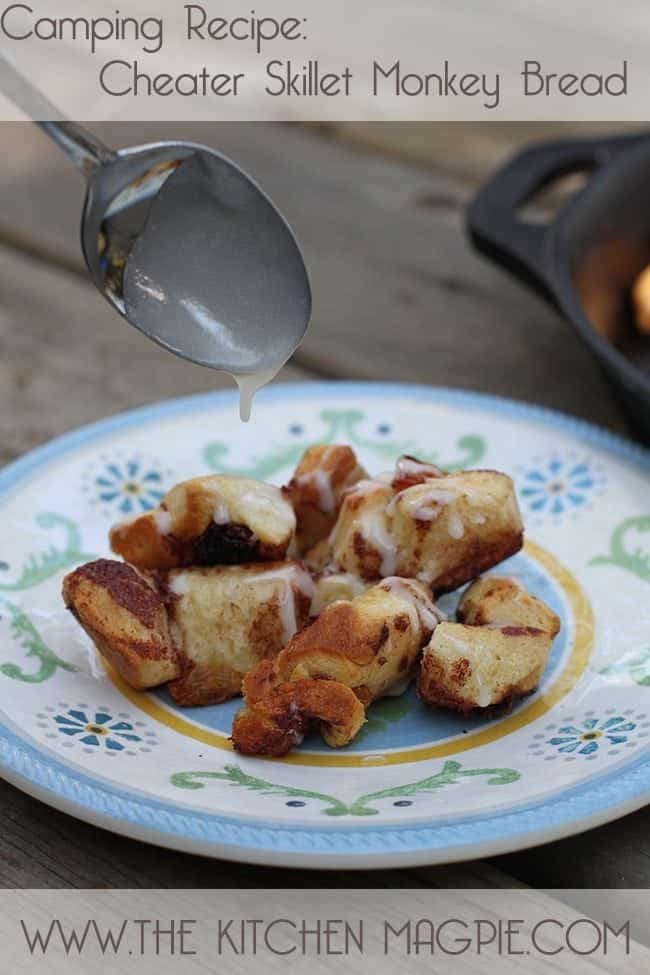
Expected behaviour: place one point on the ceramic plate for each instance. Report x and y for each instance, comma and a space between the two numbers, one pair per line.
418, 785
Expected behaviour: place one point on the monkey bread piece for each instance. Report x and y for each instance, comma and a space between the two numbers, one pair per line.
200, 629
124, 614
495, 654
280, 719
214, 520
452, 528
355, 652
224, 620
443, 529
315, 490
361, 542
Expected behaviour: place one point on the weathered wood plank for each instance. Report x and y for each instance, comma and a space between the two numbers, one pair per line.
615, 855
397, 293
469, 150
42, 848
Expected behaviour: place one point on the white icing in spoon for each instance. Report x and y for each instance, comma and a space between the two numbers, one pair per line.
216, 275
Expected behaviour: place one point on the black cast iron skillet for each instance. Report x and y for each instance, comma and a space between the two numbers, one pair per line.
585, 261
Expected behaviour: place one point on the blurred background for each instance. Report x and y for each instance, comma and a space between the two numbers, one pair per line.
379, 211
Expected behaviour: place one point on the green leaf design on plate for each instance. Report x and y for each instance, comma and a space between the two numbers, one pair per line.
28, 637
235, 776
636, 667
451, 773
46, 564
382, 713
628, 552
261, 469
342, 426
473, 448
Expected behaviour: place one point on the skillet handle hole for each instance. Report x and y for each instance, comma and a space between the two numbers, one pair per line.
542, 205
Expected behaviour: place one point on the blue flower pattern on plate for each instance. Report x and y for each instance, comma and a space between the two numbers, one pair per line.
130, 485
586, 738
99, 730
557, 486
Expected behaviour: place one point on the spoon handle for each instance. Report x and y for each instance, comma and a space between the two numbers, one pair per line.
83, 148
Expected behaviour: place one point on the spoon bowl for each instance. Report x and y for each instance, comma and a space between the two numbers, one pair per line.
189, 249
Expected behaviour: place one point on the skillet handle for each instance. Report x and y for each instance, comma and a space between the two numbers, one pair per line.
492, 221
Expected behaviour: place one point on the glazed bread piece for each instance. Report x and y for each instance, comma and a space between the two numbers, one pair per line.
214, 520
443, 529
124, 614
361, 542
495, 654
200, 629
355, 652
315, 490
225, 620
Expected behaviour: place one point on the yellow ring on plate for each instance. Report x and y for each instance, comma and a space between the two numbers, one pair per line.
583, 636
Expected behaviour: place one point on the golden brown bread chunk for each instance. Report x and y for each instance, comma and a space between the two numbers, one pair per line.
443, 529
199, 628
495, 654
315, 490
214, 520
355, 652
276, 721
124, 614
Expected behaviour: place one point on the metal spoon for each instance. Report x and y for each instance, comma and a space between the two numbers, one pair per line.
184, 245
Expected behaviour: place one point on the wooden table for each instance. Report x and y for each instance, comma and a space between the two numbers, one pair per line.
398, 295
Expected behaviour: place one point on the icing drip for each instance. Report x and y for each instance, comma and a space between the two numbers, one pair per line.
367, 485
322, 481
288, 577
373, 525
423, 507
427, 506
376, 532
410, 467
474, 497
163, 520
455, 525
287, 606
484, 692
326, 498
221, 514
179, 585
427, 614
